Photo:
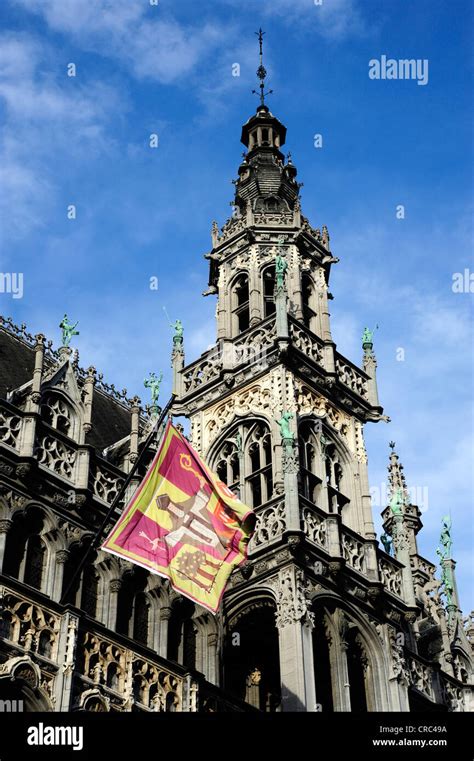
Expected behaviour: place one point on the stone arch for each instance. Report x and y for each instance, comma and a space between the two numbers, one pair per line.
30, 546
20, 681
309, 300
347, 628
251, 650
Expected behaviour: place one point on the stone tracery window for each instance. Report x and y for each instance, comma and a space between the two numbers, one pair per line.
244, 462
308, 298
308, 449
58, 414
240, 304
25, 550
268, 289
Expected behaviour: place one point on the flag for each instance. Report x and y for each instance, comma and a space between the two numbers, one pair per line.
184, 523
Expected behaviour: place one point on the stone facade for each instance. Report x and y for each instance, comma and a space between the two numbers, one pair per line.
319, 618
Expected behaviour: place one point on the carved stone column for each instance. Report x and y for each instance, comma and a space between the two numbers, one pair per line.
212, 640
165, 615
290, 479
5, 525
66, 657
109, 616
295, 623
88, 399
255, 290
61, 558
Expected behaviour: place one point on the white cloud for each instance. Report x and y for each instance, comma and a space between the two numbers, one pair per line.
151, 45
48, 118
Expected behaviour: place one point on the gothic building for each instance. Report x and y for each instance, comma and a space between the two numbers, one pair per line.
320, 617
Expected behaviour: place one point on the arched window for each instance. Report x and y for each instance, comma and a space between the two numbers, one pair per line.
357, 664
240, 304
244, 462
334, 478
322, 664
259, 461
307, 293
268, 280
58, 414
182, 633
252, 670
132, 607
90, 590
25, 551
140, 618
34, 562
228, 465
308, 449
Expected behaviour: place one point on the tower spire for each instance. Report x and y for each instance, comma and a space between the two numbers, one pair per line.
261, 71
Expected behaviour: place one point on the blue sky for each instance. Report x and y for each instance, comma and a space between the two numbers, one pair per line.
144, 212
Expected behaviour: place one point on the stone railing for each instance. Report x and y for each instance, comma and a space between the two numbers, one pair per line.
10, 427
201, 372
29, 626
306, 342
125, 678
353, 551
56, 455
105, 482
421, 677
252, 345
270, 525
266, 218
391, 576
314, 526
351, 376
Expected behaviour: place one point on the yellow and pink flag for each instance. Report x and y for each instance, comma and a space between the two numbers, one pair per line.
184, 523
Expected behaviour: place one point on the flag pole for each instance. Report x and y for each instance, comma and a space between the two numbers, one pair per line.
96, 541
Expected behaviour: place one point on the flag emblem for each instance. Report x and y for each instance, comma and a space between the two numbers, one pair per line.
184, 523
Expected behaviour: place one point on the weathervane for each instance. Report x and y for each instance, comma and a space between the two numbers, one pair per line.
261, 71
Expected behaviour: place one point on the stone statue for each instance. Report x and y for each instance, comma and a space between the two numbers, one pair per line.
281, 266
68, 329
324, 444
387, 543
445, 539
153, 383
447, 583
285, 432
368, 335
178, 331
396, 502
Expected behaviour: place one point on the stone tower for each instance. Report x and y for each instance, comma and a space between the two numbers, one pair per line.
319, 618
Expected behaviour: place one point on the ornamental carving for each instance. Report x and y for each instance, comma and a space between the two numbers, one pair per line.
258, 398
56, 456
270, 525
106, 486
10, 426
390, 576
293, 602
314, 527
351, 378
30, 626
353, 552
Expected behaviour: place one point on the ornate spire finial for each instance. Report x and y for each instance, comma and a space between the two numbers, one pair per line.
398, 486
261, 71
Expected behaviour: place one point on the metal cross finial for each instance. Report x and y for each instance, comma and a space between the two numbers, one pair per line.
261, 71
391, 445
